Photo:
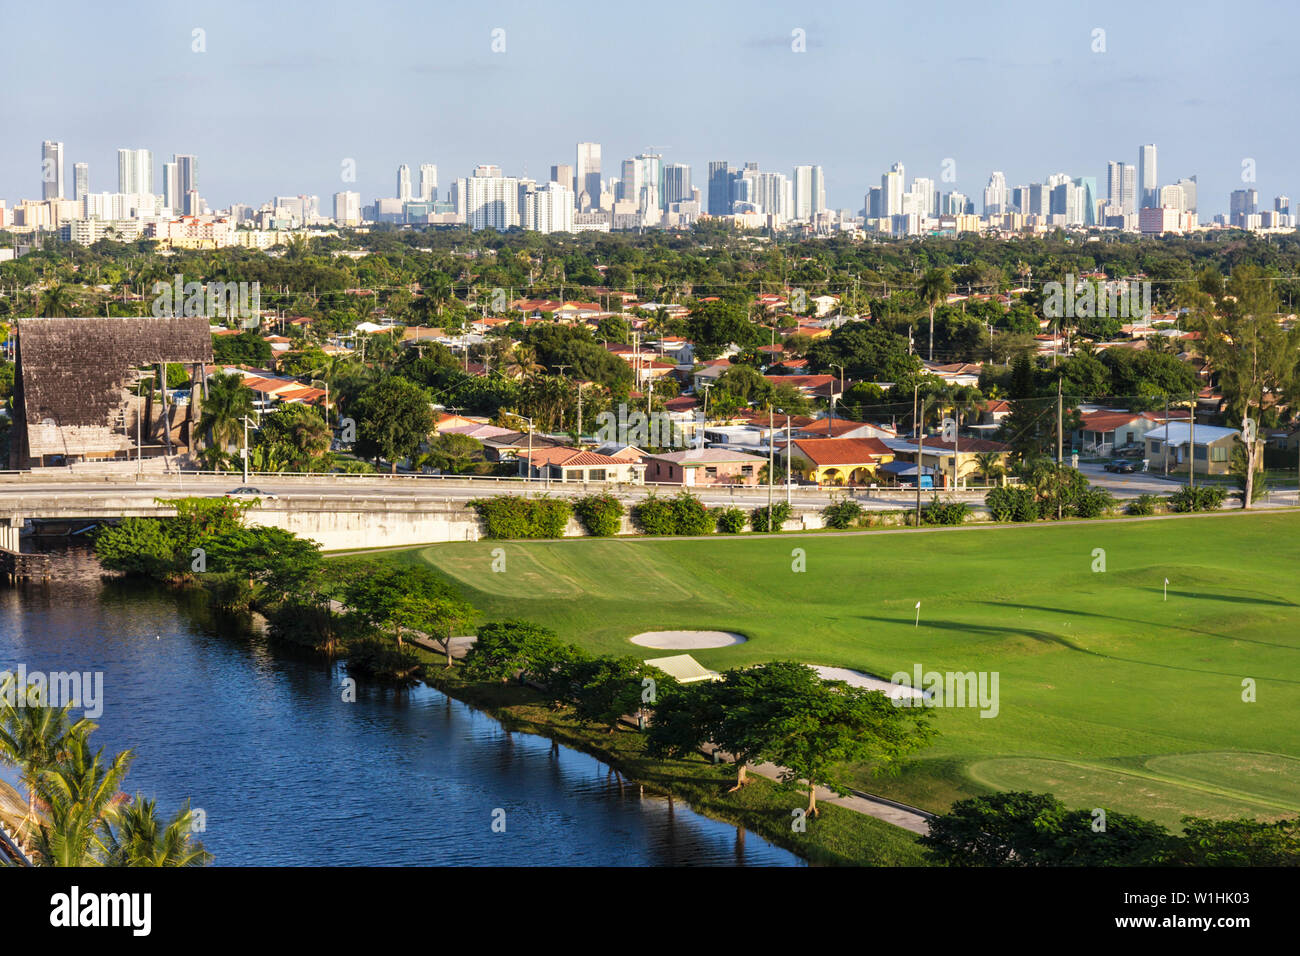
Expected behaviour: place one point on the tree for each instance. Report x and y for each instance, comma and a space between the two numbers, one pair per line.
135, 836
452, 453
990, 465
393, 417
825, 725
296, 435
1253, 359
604, 689
407, 598
34, 736
934, 289
79, 790
246, 348
506, 648
715, 325
229, 401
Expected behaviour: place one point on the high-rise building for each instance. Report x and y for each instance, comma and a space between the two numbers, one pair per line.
995, 194
677, 184
51, 170
586, 181
809, 192
347, 208
1282, 204
924, 201
80, 181
428, 182
562, 173
1148, 185
1089, 199
891, 191
1039, 200
135, 172
404, 182
1242, 203
187, 181
1188, 186
719, 188
171, 186
489, 200
547, 208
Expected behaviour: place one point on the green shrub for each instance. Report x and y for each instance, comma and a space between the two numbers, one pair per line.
730, 520
1093, 503
679, 515
1199, 498
382, 660
601, 514
763, 519
1012, 503
944, 512
510, 516
1143, 505
138, 547
842, 514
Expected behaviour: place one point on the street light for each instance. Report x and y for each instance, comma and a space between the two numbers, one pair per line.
830, 432
247, 422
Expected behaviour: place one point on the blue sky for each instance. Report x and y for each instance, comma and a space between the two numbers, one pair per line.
286, 91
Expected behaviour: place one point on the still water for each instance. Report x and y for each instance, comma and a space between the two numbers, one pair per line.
287, 773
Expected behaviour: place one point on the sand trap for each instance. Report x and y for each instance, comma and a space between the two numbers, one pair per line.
859, 679
687, 640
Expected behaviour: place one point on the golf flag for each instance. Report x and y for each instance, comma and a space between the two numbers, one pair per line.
918, 614
1166, 589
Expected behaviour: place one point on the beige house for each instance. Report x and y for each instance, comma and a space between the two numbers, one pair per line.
1170, 448
704, 466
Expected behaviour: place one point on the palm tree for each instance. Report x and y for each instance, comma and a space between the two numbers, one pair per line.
228, 403
935, 286
33, 737
990, 465
523, 362
79, 791
57, 301
135, 836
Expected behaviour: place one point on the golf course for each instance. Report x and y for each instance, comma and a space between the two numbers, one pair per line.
1115, 689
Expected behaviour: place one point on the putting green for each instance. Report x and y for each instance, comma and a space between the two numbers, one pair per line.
1107, 685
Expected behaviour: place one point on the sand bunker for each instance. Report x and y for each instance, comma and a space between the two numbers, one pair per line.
687, 640
859, 679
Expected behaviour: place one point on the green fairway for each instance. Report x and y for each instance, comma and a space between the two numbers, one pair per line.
1109, 695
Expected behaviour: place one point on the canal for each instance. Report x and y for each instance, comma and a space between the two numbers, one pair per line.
288, 773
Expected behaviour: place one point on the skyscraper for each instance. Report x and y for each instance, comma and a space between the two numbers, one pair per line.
719, 188
1089, 199
891, 191
995, 194
428, 182
51, 170
562, 173
1148, 185
809, 192
80, 181
171, 186
677, 183
135, 171
347, 208
187, 181
404, 182
586, 178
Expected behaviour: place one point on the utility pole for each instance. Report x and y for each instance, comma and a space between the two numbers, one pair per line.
771, 464
1060, 442
788, 460
920, 448
1191, 465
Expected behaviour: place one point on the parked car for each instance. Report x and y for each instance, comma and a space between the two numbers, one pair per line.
1121, 466
245, 491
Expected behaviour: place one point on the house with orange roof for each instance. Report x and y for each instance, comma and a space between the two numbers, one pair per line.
566, 464
837, 461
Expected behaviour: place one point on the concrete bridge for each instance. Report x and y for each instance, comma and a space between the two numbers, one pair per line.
343, 512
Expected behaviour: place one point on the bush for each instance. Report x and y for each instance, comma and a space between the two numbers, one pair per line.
510, 516
1199, 498
601, 515
842, 514
770, 520
1093, 503
682, 514
1012, 503
138, 547
1143, 505
944, 512
380, 660
730, 520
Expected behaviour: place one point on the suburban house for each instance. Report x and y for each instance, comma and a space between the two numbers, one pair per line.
837, 461
1169, 448
1106, 429
955, 373
704, 466
562, 463
940, 456
843, 428
506, 445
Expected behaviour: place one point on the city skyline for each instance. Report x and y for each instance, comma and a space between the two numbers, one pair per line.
731, 94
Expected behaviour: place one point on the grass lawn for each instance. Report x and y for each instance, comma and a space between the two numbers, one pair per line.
1109, 695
